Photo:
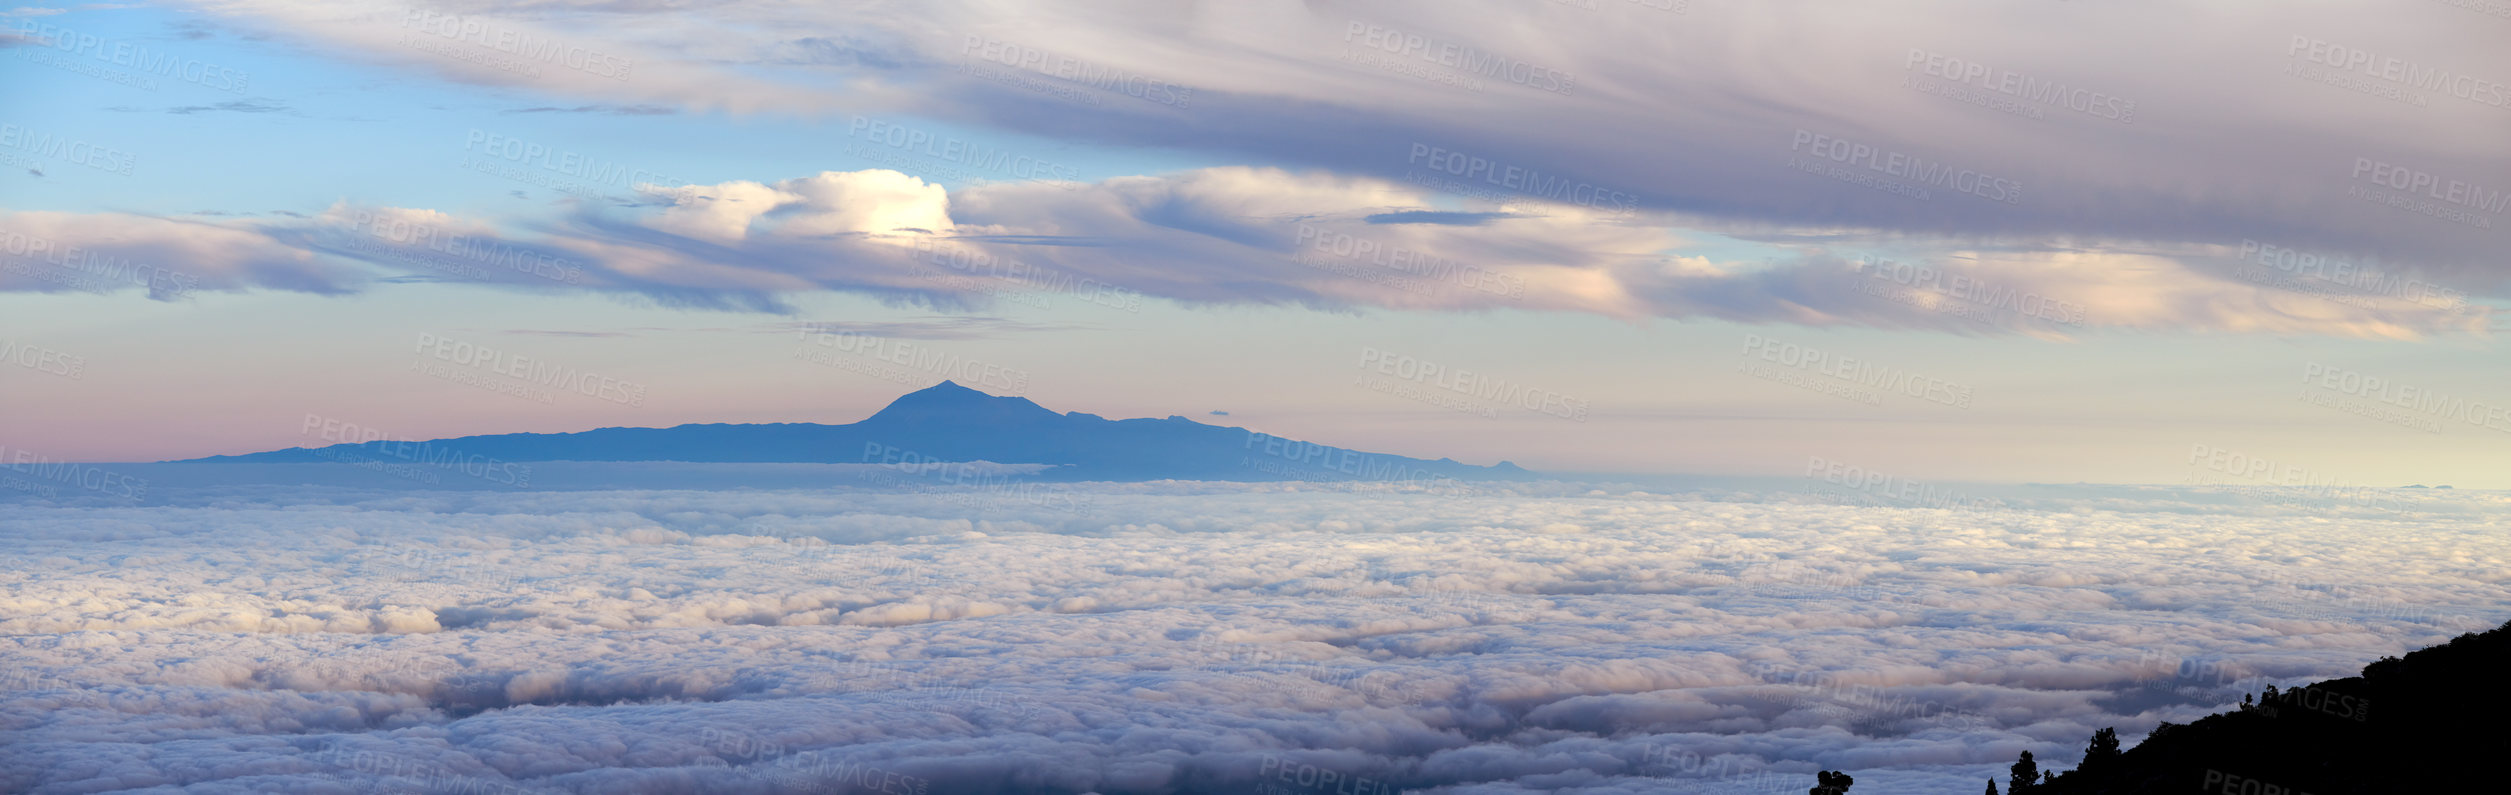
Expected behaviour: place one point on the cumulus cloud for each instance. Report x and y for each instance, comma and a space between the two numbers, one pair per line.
1171, 636
1252, 235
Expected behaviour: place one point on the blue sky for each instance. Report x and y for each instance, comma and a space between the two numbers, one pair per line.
1184, 251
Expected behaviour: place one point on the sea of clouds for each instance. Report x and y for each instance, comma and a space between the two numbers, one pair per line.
1335, 639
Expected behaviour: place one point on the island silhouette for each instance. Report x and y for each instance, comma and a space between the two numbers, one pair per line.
946, 422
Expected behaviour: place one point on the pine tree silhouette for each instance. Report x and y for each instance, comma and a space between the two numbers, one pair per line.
2026, 775
2101, 754
1833, 783
1992, 786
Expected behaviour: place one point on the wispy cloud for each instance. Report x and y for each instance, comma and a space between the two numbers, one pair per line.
256, 105
612, 110
1685, 120
945, 327
1260, 236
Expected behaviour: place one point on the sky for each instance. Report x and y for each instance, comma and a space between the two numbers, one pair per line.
2120, 242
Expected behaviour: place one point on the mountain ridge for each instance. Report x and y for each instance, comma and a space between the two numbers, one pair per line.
946, 422
2427, 722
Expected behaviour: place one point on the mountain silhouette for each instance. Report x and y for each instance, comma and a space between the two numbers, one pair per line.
942, 423
2431, 722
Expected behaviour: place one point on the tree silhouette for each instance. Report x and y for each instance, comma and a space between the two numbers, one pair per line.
1992, 786
2026, 775
2101, 754
1833, 783
2424, 697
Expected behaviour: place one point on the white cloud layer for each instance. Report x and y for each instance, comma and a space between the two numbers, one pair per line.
1174, 637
